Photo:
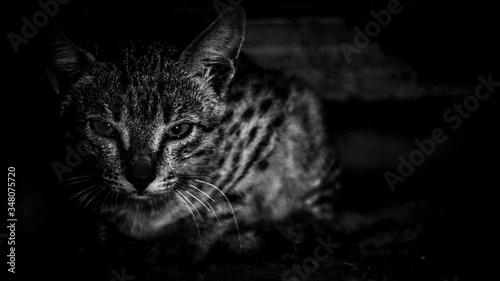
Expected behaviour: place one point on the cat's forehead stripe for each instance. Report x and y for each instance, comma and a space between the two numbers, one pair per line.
116, 110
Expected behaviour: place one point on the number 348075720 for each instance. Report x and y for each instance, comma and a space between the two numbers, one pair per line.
11, 192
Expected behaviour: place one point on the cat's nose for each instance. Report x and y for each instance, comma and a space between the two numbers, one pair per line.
141, 173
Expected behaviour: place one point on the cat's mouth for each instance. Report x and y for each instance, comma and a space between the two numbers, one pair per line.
148, 198
144, 215
137, 201
140, 196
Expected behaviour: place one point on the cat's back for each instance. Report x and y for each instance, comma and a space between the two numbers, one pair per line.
274, 143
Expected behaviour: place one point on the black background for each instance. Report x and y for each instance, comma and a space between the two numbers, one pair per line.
444, 42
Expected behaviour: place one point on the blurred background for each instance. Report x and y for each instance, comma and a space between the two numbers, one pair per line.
377, 99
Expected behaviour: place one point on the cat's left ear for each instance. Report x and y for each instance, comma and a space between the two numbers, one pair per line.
213, 54
66, 61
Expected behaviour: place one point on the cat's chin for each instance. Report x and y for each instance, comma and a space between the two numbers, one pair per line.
146, 200
144, 217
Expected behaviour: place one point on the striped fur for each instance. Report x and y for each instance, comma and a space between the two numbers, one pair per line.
257, 153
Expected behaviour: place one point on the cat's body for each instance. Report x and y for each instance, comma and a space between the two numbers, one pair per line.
186, 152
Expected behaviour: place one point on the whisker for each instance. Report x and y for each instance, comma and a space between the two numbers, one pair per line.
117, 197
199, 190
81, 200
80, 192
73, 179
194, 207
66, 184
197, 199
102, 188
230, 206
66, 199
194, 176
78, 177
113, 199
210, 208
194, 217
218, 223
103, 201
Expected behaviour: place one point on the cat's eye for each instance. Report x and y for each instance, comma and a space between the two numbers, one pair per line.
180, 131
103, 129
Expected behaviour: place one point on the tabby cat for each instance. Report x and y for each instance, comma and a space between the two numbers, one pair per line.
187, 151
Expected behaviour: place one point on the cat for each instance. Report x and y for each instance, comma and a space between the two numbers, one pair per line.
195, 148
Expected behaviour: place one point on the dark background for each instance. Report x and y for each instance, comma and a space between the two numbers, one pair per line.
427, 59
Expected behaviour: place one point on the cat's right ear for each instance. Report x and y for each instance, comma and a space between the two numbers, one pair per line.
213, 54
66, 61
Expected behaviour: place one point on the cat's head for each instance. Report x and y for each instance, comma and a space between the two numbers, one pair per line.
148, 117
